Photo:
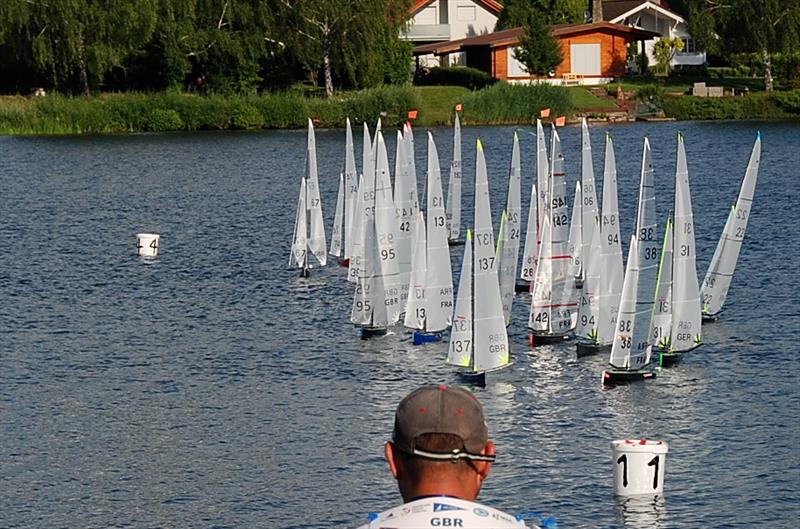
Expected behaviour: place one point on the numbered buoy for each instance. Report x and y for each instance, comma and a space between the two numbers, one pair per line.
147, 245
639, 466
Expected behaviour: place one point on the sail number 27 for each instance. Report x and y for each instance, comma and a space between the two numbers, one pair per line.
623, 460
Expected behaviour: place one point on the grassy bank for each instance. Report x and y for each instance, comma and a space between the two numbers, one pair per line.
165, 112
497, 104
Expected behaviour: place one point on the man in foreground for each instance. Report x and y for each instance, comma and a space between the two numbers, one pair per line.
440, 454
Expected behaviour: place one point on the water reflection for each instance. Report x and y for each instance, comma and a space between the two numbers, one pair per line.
641, 512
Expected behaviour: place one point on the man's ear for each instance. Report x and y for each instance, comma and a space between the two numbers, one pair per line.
485, 467
390, 452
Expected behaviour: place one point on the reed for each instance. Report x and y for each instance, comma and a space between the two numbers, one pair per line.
504, 103
173, 111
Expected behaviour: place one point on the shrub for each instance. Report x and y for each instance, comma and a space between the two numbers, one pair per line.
163, 120
788, 101
753, 106
471, 78
246, 116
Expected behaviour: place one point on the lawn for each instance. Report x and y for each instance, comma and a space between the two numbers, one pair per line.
437, 104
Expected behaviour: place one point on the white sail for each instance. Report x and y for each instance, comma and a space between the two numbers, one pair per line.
416, 303
610, 290
454, 186
575, 246
386, 228
662, 307
555, 282
686, 316
631, 347
405, 197
530, 253
589, 205
509, 256
459, 352
490, 337
439, 278
299, 252
408, 139
589, 305
646, 231
542, 171
338, 221
369, 306
317, 243
542, 296
364, 214
720, 271
350, 191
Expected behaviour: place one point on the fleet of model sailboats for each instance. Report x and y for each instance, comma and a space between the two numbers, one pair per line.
399, 257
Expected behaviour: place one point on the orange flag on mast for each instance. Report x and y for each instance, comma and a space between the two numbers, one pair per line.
458, 107
412, 114
544, 113
560, 121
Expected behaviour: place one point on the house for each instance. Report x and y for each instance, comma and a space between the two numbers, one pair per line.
593, 53
654, 15
445, 20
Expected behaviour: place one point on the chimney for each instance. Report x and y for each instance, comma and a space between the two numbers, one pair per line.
597, 10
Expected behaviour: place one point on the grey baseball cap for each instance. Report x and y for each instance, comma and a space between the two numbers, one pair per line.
445, 410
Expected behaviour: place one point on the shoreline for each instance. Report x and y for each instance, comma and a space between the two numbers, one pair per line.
135, 113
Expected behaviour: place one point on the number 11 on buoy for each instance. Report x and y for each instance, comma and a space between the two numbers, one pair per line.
639, 466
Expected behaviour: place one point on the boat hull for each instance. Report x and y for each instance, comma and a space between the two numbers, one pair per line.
345, 262
711, 317
371, 332
522, 287
545, 339
620, 376
426, 337
455, 242
305, 272
592, 348
473, 378
670, 358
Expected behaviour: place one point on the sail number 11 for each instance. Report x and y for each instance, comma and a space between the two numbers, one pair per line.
623, 460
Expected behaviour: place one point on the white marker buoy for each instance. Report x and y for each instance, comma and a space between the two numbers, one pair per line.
639, 466
147, 245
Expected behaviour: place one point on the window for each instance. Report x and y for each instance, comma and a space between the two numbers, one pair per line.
688, 45
465, 13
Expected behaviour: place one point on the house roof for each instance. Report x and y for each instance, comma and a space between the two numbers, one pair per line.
491, 5
618, 10
510, 37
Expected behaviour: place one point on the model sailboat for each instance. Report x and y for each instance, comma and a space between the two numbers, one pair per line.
509, 234
478, 339
429, 308
723, 263
553, 304
685, 316
536, 212
631, 350
454, 188
309, 231
344, 221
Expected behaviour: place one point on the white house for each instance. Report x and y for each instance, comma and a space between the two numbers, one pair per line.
653, 16
447, 20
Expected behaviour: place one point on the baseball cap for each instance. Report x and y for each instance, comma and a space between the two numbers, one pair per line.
443, 410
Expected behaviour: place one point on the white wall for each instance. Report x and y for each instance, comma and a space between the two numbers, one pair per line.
468, 19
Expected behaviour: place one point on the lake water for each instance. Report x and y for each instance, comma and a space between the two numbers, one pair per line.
214, 388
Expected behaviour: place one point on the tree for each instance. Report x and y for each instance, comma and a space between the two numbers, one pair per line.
754, 26
538, 51
664, 50
342, 37
73, 43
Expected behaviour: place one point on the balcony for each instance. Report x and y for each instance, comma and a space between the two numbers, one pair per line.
427, 32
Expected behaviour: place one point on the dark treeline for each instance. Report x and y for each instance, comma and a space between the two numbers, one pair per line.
220, 46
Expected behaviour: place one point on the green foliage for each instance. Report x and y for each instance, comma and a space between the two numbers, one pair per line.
163, 120
517, 13
664, 50
471, 78
787, 69
503, 103
398, 61
753, 106
539, 51
789, 101
651, 99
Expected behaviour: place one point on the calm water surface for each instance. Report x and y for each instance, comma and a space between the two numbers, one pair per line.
214, 388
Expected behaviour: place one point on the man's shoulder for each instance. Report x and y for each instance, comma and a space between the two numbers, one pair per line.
442, 511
